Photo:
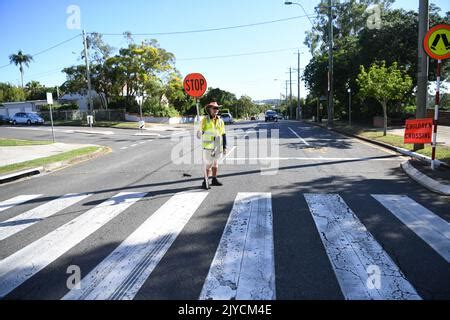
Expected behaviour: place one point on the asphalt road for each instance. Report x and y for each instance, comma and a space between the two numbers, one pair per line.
313, 224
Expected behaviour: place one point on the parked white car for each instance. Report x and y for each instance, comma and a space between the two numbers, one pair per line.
26, 118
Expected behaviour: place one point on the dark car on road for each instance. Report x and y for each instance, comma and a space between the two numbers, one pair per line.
4, 119
271, 116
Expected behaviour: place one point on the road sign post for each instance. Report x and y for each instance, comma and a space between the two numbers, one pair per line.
195, 86
50, 102
141, 123
437, 46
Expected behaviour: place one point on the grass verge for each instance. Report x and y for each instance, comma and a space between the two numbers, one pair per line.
5, 142
47, 160
442, 152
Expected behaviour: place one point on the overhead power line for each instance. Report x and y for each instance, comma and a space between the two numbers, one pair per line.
236, 55
208, 30
48, 49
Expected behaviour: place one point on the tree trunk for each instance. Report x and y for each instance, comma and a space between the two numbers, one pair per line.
21, 74
384, 117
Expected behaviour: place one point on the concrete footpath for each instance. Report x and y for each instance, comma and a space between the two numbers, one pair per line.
18, 154
12, 155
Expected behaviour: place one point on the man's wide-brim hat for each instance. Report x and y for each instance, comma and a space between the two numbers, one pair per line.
211, 104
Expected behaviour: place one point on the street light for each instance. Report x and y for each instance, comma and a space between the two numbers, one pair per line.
299, 4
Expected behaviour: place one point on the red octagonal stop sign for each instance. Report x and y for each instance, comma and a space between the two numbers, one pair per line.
195, 85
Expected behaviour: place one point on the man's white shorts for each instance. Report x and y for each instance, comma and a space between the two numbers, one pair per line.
209, 160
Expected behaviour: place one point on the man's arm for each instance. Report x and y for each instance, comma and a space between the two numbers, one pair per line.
224, 140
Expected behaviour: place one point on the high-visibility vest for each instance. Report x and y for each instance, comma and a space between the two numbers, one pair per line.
212, 132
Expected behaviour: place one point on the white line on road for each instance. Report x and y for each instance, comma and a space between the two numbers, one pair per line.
134, 145
27, 219
320, 158
298, 136
363, 269
90, 131
123, 148
120, 275
434, 230
25, 263
147, 134
42, 129
7, 204
243, 267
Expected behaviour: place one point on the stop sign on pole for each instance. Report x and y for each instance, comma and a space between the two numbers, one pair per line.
195, 85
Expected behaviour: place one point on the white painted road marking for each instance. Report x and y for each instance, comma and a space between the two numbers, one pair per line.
298, 136
352, 250
27, 219
320, 158
134, 145
7, 204
42, 129
243, 267
434, 230
25, 263
120, 275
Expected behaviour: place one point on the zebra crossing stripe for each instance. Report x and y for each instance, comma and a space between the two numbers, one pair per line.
23, 264
243, 267
25, 220
434, 230
7, 204
124, 271
363, 269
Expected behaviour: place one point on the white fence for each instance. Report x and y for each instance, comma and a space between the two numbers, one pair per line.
174, 120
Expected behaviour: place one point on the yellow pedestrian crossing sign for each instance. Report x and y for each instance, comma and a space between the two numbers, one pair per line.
437, 42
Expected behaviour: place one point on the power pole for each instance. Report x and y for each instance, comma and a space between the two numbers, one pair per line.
290, 93
422, 74
299, 110
286, 96
330, 66
88, 74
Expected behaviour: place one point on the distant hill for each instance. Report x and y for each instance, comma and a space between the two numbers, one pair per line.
268, 101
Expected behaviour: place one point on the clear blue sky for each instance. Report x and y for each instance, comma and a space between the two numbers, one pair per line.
37, 25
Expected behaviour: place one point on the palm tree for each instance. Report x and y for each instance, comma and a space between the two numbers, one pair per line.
21, 59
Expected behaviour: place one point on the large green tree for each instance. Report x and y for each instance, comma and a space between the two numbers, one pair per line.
225, 98
10, 93
383, 84
20, 59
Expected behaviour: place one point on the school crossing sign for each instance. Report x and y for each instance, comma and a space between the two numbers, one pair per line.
437, 42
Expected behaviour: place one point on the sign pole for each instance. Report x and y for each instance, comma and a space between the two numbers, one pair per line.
50, 102
205, 172
436, 114
195, 86
51, 121
436, 46
198, 110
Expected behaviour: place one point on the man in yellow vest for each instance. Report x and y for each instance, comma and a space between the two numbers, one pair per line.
214, 142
